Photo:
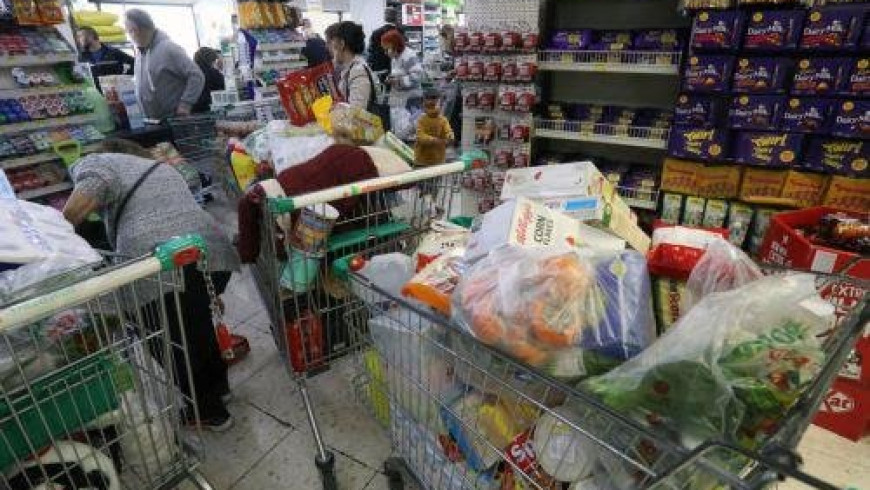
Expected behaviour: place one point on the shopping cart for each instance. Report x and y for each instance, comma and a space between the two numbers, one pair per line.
196, 139
310, 304
84, 403
435, 378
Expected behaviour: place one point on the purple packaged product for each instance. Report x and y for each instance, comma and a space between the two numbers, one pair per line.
773, 30
708, 73
865, 37
758, 112
846, 157
657, 40
856, 78
571, 40
851, 119
612, 41
817, 76
698, 144
833, 28
806, 115
717, 30
767, 149
760, 75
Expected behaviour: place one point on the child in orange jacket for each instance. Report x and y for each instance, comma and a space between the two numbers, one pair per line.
433, 132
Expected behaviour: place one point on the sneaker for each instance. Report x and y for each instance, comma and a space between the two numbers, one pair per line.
215, 424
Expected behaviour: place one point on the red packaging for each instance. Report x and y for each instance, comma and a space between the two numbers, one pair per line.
476, 68
526, 70
299, 89
461, 41
486, 99
472, 98
511, 41
503, 157
786, 246
673, 260
510, 70
475, 42
507, 98
521, 158
520, 132
530, 41
492, 42
845, 410
526, 100
305, 342
492, 72
462, 68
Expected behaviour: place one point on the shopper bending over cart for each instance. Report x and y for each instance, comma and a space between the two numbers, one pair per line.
143, 204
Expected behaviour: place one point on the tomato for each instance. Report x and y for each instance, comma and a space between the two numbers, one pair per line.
357, 263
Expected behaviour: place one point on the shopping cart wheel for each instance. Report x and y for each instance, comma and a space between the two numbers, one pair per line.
327, 471
394, 471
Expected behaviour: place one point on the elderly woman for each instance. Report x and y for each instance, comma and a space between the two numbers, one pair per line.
406, 72
211, 64
143, 204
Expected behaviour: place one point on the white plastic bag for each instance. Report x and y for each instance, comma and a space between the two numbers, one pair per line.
723, 267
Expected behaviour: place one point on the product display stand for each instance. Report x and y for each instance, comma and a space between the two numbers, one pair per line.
610, 76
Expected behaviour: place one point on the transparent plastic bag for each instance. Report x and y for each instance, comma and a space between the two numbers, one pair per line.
723, 267
565, 313
731, 366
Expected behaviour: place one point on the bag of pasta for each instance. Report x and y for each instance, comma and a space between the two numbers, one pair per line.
565, 311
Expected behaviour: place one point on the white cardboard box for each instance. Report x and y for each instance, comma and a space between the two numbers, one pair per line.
526, 223
581, 191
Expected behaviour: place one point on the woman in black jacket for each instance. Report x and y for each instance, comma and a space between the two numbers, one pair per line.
209, 61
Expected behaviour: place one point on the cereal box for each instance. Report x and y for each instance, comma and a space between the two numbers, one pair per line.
768, 149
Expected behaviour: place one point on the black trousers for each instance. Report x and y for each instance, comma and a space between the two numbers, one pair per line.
208, 369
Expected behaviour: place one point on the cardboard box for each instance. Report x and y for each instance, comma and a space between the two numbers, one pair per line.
523, 222
784, 245
680, 176
581, 191
697, 179
782, 187
845, 410
848, 193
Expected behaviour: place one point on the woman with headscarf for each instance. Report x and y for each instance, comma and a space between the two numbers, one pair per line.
210, 63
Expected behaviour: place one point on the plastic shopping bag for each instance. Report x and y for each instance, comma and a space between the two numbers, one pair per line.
731, 366
723, 267
555, 309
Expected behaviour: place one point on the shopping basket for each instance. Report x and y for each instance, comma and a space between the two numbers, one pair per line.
310, 304
196, 139
84, 401
435, 378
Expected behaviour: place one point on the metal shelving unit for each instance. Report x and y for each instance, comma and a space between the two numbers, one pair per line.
26, 161
611, 134
46, 123
37, 59
54, 89
646, 62
45, 191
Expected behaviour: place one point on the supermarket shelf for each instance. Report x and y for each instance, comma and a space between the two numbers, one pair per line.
36, 59
639, 198
40, 158
56, 89
46, 123
280, 46
611, 134
44, 191
648, 62
281, 66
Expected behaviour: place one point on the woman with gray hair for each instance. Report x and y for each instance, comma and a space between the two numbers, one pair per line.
145, 203
168, 82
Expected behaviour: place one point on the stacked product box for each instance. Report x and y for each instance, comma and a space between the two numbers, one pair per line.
782, 89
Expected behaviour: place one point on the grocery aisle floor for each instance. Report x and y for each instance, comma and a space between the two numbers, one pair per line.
271, 447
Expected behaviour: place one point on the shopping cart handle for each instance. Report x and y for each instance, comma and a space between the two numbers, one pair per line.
180, 251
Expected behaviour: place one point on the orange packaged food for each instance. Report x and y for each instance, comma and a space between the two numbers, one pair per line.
434, 285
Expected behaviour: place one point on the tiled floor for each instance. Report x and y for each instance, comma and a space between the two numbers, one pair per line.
271, 446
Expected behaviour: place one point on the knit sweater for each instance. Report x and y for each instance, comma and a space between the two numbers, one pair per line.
431, 131
337, 165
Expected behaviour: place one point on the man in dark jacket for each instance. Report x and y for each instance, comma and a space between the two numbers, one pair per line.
93, 51
378, 60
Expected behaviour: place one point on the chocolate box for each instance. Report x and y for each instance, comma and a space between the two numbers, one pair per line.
851, 119
706, 73
806, 115
775, 30
856, 77
833, 28
758, 112
818, 76
848, 193
657, 40
838, 156
767, 149
699, 111
717, 30
698, 144
760, 75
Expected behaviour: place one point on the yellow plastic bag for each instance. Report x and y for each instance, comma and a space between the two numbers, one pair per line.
321, 109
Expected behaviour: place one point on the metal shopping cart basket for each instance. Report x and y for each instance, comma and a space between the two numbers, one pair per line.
310, 305
196, 139
449, 397
83, 401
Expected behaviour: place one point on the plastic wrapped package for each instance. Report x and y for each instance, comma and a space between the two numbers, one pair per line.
723, 267
445, 236
434, 285
567, 312
287, 146
731, 366
676, 250
37, 243
355, 124
417, 376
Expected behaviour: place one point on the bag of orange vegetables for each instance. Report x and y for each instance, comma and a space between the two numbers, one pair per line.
569, 312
